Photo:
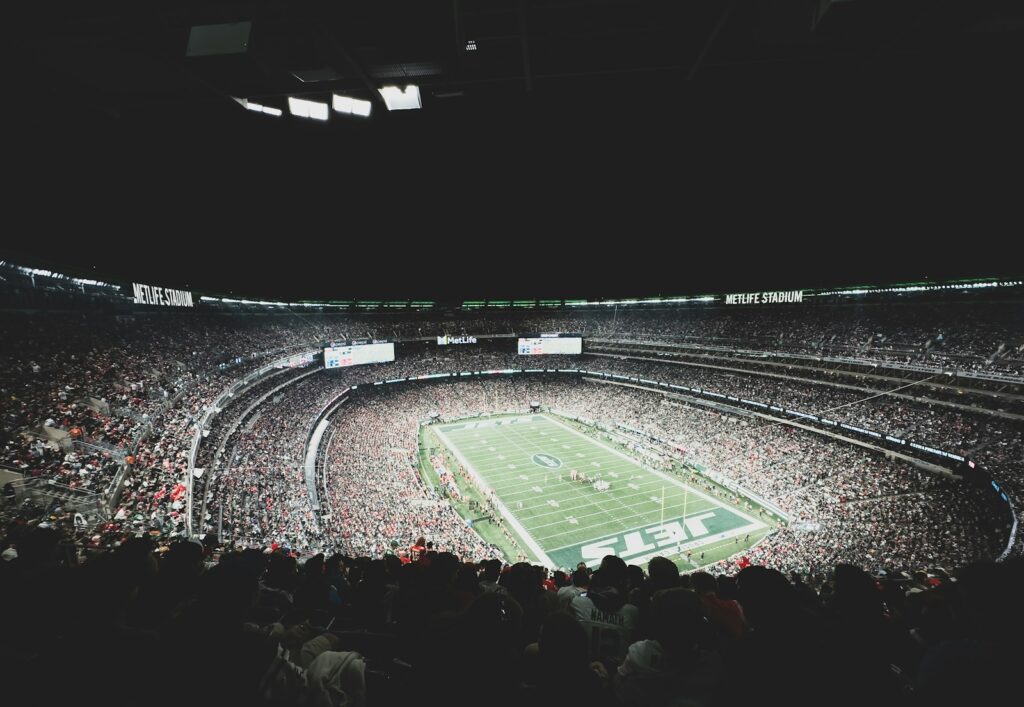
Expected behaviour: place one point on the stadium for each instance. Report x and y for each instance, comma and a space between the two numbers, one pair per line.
509, 423
871, 427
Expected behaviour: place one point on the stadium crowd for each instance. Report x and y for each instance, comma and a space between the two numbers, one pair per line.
261, 488
261, 627
838, 496
100, 384
374, 489
335, 607
995, 441
151, 498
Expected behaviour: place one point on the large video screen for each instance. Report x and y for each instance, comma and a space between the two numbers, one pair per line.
358, 354
551, 345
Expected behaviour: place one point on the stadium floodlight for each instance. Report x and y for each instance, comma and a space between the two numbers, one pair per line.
397, 99
259, 108
307, 109
352, 106
342, 104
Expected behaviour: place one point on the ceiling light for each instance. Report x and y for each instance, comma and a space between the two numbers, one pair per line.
307, 109
397, 99
352, 106
259, 108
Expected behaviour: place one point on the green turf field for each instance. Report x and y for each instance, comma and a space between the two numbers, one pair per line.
527, 461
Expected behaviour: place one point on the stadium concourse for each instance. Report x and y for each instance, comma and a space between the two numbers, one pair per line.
338, 535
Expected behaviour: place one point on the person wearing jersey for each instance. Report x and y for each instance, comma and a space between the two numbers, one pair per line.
673, 667
580, 582
603, 611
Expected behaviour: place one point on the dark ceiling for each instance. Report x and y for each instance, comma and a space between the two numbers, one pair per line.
539, 65
842, 140
135, 53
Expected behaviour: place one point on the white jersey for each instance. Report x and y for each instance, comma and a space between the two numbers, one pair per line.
610, 633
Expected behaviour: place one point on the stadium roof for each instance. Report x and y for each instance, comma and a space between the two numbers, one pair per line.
303, 276
860, 128
505, 62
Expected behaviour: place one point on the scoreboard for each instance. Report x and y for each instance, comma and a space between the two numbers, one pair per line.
554, 344
358, 354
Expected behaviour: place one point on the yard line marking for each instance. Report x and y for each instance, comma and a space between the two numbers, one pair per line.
505, 512
676, 482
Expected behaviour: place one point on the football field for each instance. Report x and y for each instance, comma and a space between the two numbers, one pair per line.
528, 462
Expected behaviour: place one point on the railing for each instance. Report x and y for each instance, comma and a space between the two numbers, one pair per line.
210, 474
99, 447
868, 362
45, 492
99, 404
219, 403
113, 491
314, 435
1013, 534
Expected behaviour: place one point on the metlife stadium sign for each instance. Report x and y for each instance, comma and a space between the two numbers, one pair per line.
162, 296
766, 297
446, 340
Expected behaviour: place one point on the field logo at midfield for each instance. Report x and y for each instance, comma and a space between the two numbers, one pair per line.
547, 461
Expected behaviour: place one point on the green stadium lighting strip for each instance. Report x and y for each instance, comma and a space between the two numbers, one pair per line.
36, 272
265, 303
922, 287
961, 284
966, 284
649, 300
